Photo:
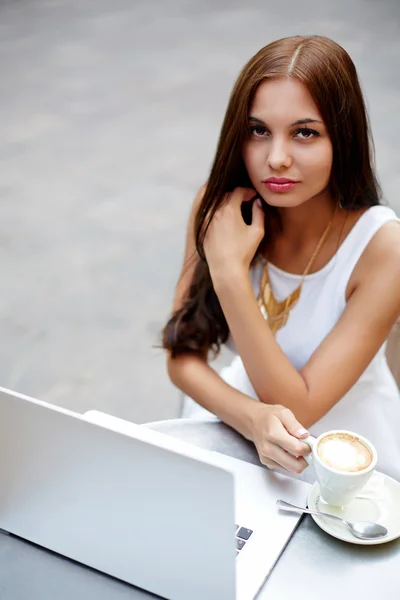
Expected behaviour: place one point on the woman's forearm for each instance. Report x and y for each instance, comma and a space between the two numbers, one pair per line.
198, 380
274, 430
274, 378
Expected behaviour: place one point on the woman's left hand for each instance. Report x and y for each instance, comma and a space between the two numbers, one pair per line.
230, 244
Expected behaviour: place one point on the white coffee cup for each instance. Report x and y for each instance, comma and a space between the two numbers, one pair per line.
339, 487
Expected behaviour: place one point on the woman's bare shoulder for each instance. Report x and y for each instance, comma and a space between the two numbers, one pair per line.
382, 254
385, 244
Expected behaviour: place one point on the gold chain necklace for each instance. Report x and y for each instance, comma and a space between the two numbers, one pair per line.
277, 313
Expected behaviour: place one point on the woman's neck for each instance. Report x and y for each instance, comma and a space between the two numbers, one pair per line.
304, 224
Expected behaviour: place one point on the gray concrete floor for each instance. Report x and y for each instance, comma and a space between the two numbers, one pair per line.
109, 115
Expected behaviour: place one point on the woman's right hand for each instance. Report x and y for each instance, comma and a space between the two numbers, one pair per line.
277, 436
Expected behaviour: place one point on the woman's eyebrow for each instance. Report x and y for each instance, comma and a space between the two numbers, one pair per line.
299, 122
305, 121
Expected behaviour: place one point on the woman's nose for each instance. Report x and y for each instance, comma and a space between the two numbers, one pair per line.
279, 156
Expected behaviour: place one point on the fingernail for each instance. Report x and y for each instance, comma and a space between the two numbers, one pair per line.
259, 202
301, 431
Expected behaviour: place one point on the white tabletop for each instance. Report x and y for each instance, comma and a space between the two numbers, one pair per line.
313, 561
313, 565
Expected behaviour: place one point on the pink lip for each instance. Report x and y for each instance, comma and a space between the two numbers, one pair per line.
279, 180
279, 184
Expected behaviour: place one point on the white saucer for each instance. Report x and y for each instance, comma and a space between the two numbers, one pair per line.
378, 502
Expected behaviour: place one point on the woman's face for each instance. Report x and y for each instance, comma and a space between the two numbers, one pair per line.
288, 153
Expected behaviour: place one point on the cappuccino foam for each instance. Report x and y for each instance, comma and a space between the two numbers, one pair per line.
344, 452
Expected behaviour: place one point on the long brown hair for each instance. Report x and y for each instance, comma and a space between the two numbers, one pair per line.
330, 76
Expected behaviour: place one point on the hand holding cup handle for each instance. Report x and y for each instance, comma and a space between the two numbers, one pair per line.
310, 440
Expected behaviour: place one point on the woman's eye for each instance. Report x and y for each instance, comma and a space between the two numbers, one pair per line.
306, 134
258, 130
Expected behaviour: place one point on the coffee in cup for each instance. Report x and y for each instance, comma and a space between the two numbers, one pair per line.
344, 452
343, 462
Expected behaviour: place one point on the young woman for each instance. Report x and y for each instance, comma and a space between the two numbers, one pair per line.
292, 262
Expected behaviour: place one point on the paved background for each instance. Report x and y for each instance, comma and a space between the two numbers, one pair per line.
109, 116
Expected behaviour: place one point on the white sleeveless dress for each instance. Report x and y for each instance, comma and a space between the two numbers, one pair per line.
372, 406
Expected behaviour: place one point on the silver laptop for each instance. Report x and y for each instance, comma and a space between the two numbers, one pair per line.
139, 505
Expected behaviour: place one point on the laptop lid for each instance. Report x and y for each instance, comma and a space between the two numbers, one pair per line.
139, 508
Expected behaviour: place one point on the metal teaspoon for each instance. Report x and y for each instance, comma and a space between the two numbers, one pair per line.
364, 530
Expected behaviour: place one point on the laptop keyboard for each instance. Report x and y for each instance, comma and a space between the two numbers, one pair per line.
242, 535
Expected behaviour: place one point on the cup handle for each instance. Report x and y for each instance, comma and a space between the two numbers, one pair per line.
310, 440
